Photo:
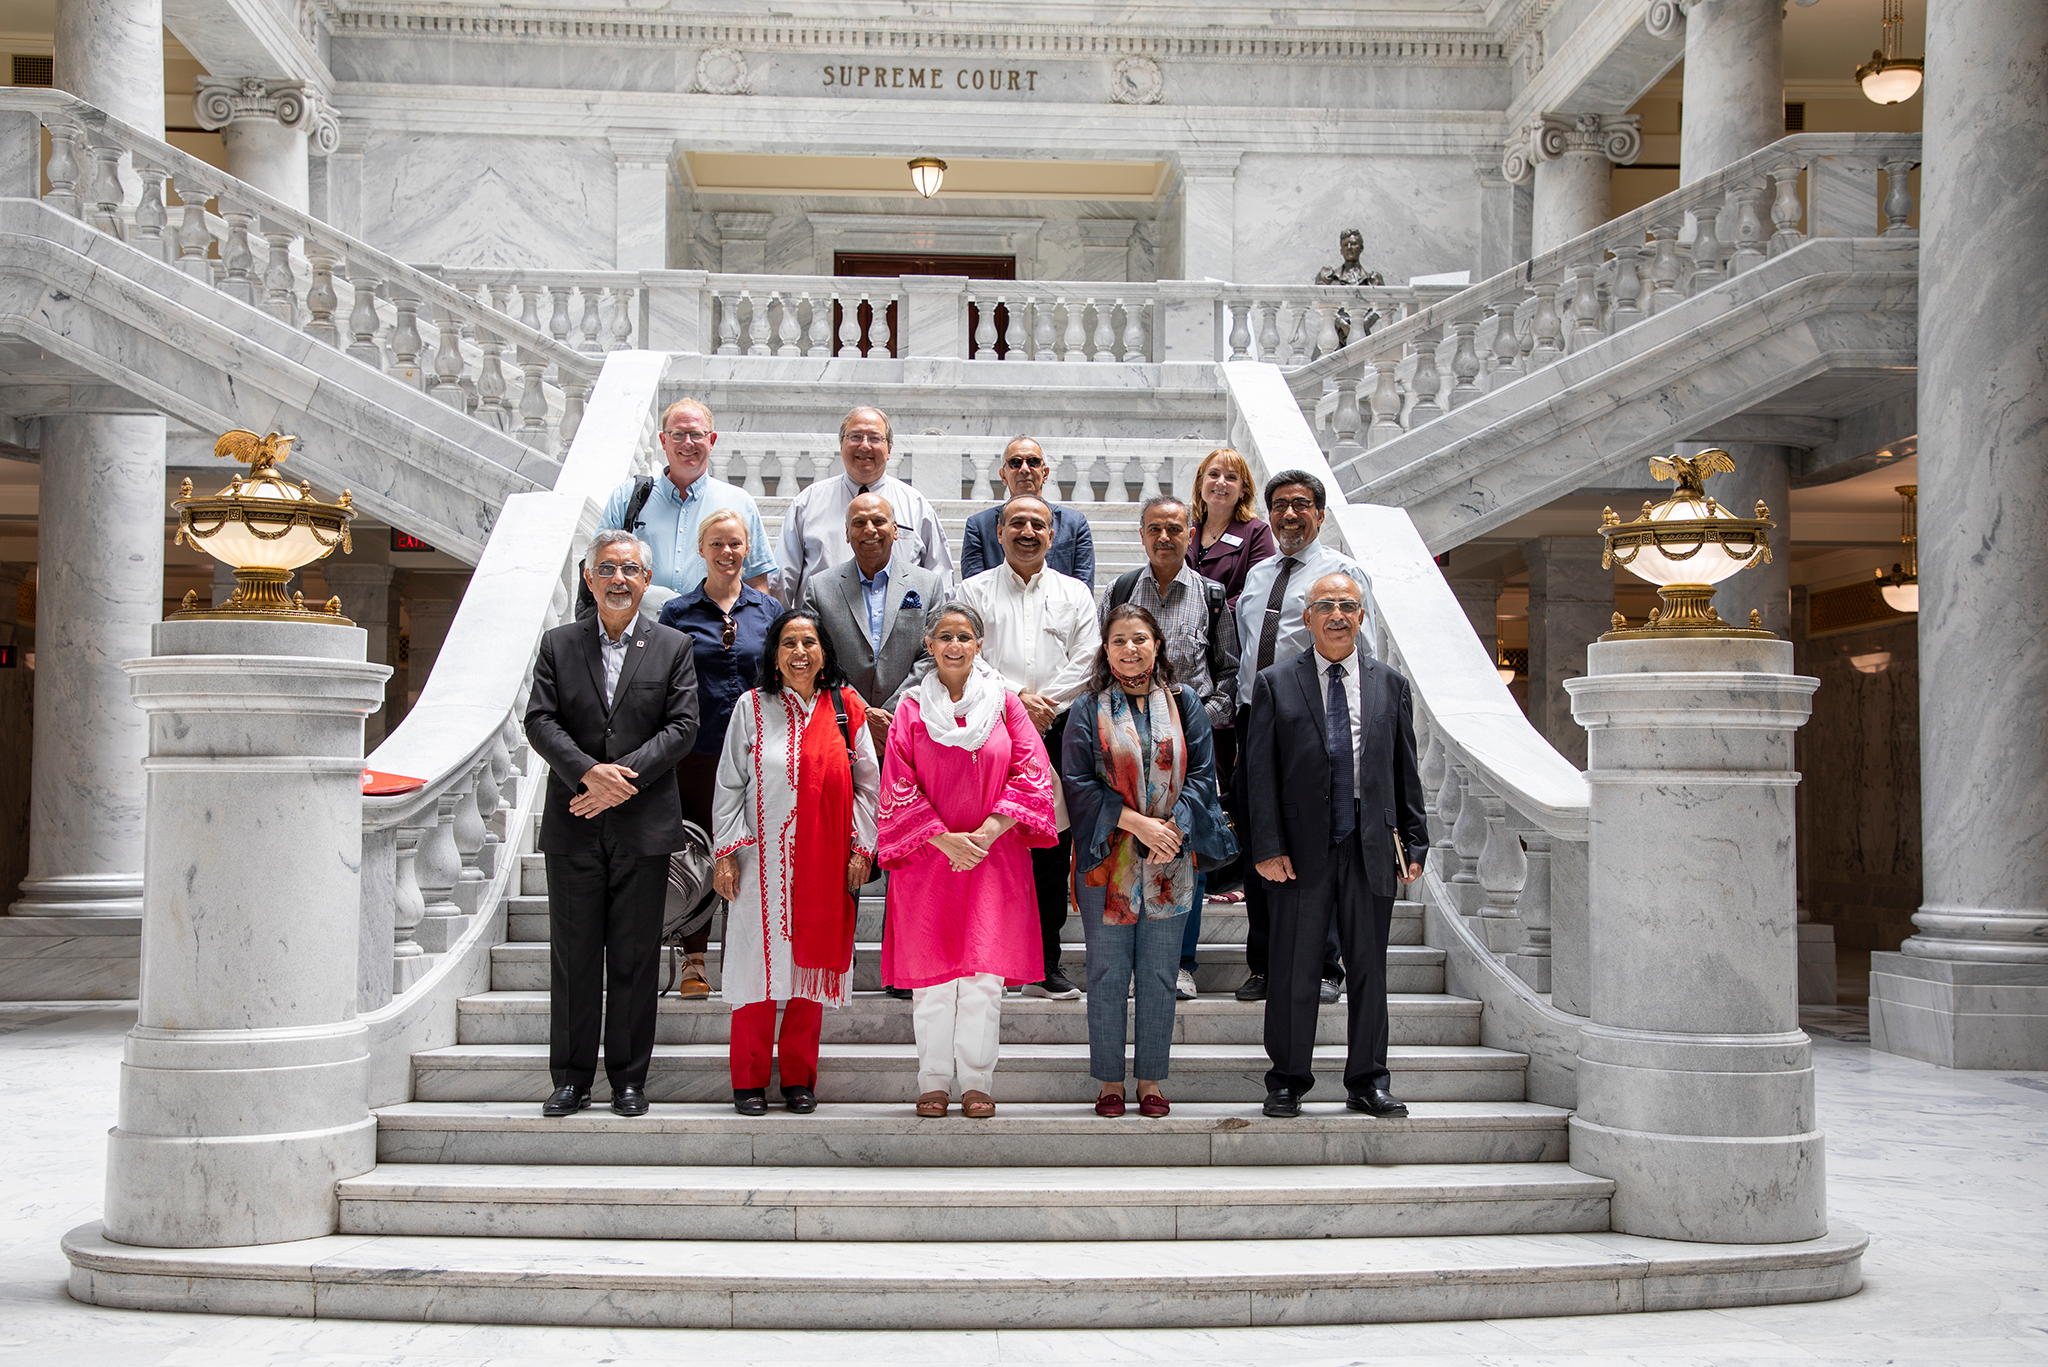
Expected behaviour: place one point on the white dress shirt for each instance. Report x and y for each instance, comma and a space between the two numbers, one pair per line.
814, 531
1042, 635
1316, 560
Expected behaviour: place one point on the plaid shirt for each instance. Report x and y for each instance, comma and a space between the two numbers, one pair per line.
1183, 614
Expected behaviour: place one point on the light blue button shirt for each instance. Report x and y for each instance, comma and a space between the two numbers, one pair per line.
670, 531
874, 593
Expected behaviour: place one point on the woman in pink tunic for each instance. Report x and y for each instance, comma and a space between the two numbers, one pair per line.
966, 793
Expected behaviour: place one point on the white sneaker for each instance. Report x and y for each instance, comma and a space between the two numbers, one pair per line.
1184, 987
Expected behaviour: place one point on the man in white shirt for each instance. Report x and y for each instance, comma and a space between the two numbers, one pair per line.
1042, 638
814, 527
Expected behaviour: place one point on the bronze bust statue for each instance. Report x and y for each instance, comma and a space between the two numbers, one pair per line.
1351, 243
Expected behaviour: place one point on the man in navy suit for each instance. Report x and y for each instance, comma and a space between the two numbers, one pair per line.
1027, 470
1336, 828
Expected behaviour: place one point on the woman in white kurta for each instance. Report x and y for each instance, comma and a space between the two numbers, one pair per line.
794, 817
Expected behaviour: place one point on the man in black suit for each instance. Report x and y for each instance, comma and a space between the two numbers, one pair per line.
1333, 785
614, 706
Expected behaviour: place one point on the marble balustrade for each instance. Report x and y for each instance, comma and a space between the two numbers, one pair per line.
259, 250
1432, 360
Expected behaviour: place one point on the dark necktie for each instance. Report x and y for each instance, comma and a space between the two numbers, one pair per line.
1337, 737
865, 488
1269, 632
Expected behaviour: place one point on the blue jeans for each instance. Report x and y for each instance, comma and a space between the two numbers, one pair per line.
1145, 953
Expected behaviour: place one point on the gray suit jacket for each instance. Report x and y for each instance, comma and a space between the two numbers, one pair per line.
835, 595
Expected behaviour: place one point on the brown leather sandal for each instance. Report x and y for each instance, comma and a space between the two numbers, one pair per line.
932, 1105
977, 1105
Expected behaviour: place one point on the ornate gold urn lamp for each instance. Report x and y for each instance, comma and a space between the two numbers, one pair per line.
266, 527
1686, 545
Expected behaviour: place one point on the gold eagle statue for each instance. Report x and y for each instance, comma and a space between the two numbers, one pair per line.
1689, 471
261, 454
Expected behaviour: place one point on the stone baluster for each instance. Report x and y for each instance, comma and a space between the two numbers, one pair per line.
981, 474
1104, 337
490, 380
1664, 291
1546, 325
439, 869
1013, 328
1627, 287
1326, 336
1426, 381
406, 342
1042, 348
1706, 252
321, 297
470, 836
448, 364
818, 340
1468, 842
1585, 305
1431, 769
1344, 419
1149, 465
279, 299
150, 215
1898, 199
362, 317
788, 333
785, 472
622, 318
757, 325
1117, 464
194, 236
235, 256
408, 960
1749, 230
1240, 328
592, 320
1386, 405
529, 306
849, 327
67, 142
1531, 961
491, 802
1450, 799
1513, 335
1786, 209
984, 328
1134, 330
1074, 342
1502, 871
106, 188
533, 400
752, 483
575, 393
879, 336
1464, 365
1269, 332
559, 322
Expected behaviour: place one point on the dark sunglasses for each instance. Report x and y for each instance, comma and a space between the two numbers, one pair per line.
726, 636
1024, 462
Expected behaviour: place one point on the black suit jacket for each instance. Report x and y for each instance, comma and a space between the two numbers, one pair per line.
1287, 770
649, 724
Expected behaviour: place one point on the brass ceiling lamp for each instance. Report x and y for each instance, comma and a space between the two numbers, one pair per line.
266, 527
1686, 545
927, 174
1901, 588
1888, 78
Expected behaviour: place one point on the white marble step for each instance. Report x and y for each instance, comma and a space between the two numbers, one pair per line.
1218, 968
1036, 1204
966, 1286
1228, 1073
871, 1018
874, 1134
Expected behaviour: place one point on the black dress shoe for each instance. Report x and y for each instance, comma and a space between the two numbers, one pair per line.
753, 1101
800, 1100
1330, 991
1380, 1102
901, 994
1283, 1103
629, 1101
1252, 989
566, 1100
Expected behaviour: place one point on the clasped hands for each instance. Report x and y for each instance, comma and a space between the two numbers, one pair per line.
965, 850
604, 786
1161, 838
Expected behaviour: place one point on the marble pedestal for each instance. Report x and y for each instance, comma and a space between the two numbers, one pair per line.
243, 1083
1695, 1081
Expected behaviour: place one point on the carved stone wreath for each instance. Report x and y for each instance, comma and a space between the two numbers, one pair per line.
723, 71
1137, 80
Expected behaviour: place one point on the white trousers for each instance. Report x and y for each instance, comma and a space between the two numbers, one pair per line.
959, 1032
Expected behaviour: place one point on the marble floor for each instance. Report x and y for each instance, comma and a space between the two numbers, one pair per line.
1945, 1170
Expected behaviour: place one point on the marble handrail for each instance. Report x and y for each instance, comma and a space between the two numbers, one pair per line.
1609, 279
592, 312
337, 289
803, 315
1290, 325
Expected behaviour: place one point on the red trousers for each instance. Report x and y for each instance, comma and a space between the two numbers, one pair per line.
753, 1034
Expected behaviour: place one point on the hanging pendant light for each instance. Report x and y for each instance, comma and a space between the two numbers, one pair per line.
927, 174
1901, 588
1888, 78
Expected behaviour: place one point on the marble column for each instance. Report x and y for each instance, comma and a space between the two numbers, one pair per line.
99, 590
1763, 473
1695, 1080
641, 166
1970, 988
1571, 602
1734, 98
1570, 157
365, 593
244, 1079
1208, 237
267, 129
110, 53
1481, 600
1504, 214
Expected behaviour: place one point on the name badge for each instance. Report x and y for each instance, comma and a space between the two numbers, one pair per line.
1229, 540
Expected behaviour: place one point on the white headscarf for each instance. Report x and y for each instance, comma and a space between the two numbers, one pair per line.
982, 700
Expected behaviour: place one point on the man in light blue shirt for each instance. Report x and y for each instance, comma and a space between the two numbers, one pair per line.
676, 504
874, 596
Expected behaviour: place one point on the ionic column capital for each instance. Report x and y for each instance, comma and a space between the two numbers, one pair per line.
222, 100
1551, 136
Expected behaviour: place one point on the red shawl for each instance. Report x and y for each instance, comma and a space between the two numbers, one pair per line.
821, 909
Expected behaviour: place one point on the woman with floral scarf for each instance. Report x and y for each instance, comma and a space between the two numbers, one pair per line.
1140, 777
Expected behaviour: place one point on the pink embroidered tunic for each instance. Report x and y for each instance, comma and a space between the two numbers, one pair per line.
944, 925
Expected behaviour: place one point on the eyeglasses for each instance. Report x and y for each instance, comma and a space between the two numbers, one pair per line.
731, 628
1024, 463
864, 439
1290, 505
1338, 607
605, 569
689, 436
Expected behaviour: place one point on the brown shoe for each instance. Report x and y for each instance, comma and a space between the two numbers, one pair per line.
977, 1105
932, 1105
693, 983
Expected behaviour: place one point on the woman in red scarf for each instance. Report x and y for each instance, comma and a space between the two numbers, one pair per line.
794, 819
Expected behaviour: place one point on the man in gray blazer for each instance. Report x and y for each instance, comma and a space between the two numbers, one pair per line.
873, 608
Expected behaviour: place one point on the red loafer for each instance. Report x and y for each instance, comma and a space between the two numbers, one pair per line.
1154, 1105
1109, 1105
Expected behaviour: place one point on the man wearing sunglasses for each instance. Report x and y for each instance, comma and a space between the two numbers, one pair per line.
1025, 471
